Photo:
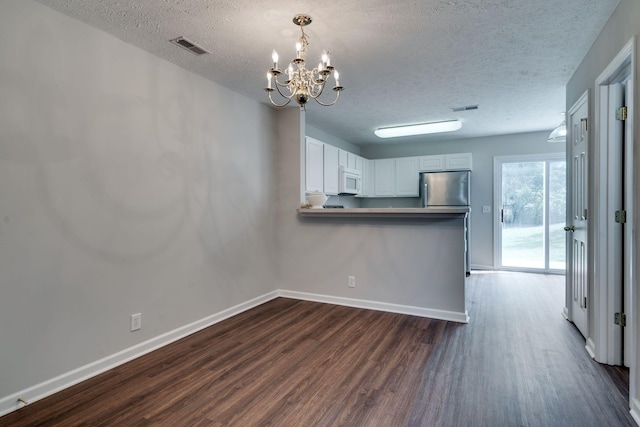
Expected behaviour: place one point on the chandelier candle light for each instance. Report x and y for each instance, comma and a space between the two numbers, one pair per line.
302, 84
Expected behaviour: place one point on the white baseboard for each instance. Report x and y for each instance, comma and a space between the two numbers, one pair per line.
635, 410
565, 313
452, 316
39, 391
591, 348
482, 267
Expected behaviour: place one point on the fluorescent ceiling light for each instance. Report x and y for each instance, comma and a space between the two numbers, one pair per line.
421, 129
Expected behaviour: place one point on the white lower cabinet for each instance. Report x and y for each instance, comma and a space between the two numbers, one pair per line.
331, 170
407, 177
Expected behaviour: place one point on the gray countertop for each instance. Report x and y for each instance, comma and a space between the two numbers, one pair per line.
435, 212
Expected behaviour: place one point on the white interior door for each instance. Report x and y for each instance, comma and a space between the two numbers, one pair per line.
577, 138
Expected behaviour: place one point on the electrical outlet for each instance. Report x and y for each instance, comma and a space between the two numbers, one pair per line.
136, 322
352, 281
486, 209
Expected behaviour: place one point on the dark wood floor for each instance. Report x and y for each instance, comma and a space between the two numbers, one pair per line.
295, 363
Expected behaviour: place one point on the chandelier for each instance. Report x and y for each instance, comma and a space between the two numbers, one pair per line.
302, 84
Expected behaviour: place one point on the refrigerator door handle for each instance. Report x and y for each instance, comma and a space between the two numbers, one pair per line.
425, 195
501, 215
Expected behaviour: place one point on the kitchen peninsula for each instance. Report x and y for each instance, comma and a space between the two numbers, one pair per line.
405, 259
405, 213
415, 254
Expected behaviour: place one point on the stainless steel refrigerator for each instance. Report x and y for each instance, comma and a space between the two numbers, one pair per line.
445, 188
448, 189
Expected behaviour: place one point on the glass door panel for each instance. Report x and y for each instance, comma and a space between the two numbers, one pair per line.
532, 195
523, 234
557, 214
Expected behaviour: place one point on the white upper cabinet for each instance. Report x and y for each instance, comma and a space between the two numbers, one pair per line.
343, 159
314, 165
359, 163
431, 163
445, 162
331, 178
351, 160
348, 160
396, 177
384, 171
367, 178
460, 161
322, 166
407, 177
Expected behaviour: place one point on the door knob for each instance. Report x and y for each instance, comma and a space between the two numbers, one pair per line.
570, 228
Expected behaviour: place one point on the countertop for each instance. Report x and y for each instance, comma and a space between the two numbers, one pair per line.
435, 212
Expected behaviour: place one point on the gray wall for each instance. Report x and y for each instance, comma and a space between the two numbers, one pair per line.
126, 185
330, 139
484, 150
621, 27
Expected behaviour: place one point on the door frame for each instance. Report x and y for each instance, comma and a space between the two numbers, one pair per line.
602, 341
497, 191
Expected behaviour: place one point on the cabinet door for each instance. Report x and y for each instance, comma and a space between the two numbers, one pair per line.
431, 163
359, 163
343, 159
331, 155
351, 160
460, 161
367, 178
384, 177
407, 177
314, 165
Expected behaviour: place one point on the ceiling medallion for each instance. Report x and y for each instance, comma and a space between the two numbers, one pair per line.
302, 84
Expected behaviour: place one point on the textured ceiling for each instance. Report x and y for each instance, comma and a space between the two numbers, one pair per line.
401, 61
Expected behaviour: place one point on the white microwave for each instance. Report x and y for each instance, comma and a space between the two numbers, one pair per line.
350, 181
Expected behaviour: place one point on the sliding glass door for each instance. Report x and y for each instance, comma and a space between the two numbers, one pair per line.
531, 207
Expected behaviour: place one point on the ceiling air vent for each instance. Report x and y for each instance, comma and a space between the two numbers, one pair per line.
191, 47
466, 108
